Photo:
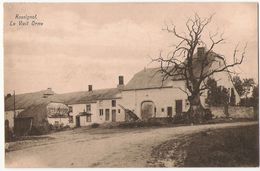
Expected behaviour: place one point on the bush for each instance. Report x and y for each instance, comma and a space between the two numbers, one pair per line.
184, 117
95, 125
208, 115
139, 124
181, 118
40, 130
66, 127
51, 127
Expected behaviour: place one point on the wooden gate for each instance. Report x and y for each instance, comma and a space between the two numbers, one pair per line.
22, 126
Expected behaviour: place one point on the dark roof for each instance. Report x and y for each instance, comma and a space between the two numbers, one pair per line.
89, 96
23, 101
152, 77
26, 100
34, 111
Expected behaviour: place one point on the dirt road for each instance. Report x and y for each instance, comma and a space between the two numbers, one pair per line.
101, 148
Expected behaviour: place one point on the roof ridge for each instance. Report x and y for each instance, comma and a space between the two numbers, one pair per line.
29, 93
86, 91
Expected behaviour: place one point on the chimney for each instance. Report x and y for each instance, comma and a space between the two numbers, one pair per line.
200, 52
120, 82
48, 93
89, 87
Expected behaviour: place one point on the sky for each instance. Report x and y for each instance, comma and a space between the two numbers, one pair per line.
80, 44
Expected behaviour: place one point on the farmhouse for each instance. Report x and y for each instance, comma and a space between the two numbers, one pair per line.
21, 102
30, 110
94, 106
148, 96
144, 96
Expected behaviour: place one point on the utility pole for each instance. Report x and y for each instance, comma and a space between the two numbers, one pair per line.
14, 105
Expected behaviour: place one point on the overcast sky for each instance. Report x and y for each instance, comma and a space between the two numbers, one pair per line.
81, 44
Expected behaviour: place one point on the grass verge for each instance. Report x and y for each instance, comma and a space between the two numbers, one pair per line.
229, 147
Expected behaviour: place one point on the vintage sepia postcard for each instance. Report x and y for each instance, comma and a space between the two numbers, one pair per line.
119, 85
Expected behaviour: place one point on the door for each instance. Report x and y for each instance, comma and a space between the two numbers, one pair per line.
7, 131
22, 126
169, 111
77, 121
147, 110
113, 115
178, 104
107, 114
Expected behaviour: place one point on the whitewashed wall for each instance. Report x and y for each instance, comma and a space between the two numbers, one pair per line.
77, 108
83, 121
162, 98
64, 121
96, 117
9, 115
107, 104
120, 113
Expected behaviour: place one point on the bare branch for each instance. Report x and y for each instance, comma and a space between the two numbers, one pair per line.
226, 67
182, 63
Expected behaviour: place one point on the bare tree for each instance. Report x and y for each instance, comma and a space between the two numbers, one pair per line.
195, 69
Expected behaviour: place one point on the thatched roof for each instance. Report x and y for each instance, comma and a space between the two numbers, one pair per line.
34, 111
147, 79
23, 101
57, 110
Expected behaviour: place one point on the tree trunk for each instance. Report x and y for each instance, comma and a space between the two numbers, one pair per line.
196, 113
226, 110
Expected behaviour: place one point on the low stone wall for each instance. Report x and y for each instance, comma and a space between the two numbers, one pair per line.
234, 112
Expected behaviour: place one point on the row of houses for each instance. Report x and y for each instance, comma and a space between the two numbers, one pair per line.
145, 95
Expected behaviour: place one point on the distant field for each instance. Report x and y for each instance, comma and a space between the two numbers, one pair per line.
229, 147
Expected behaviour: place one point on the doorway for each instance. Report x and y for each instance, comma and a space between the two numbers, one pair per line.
7, 131
178, 104
147, 110
169, 111
77, 121
113, 115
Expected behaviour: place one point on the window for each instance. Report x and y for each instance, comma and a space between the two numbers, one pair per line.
101, 112
113, 103
70, 119
88, 118
162, 109
118, 111
107, 114
70, 109
88, 108
187, 102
